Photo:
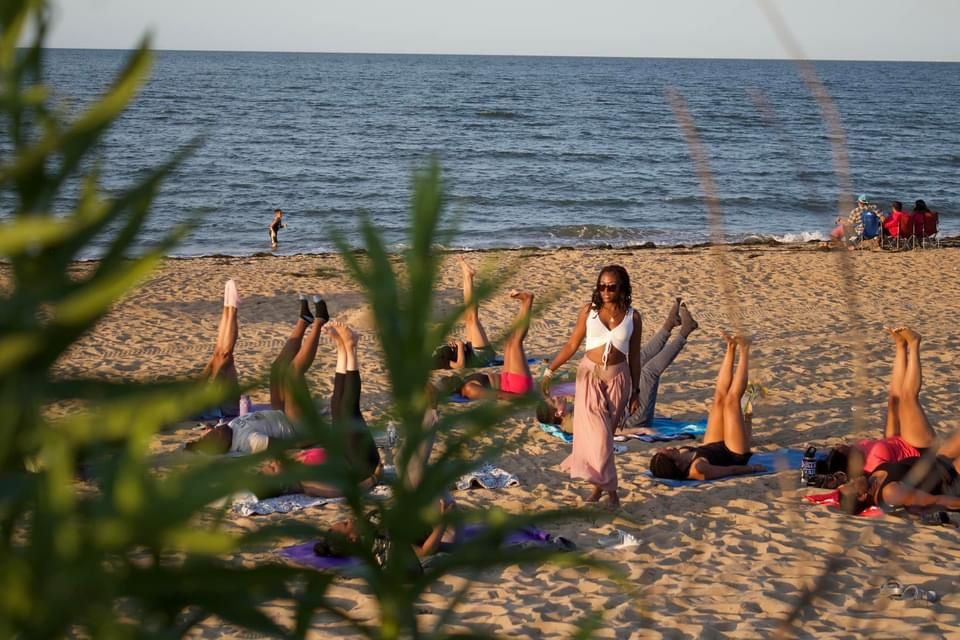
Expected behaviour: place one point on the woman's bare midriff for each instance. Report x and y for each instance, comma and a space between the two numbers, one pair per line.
614, 357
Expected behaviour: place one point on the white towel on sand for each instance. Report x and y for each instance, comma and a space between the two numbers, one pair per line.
488, 477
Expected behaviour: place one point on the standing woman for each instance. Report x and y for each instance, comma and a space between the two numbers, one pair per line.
607, 379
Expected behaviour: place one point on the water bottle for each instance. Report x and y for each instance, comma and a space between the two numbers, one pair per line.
392, 435
808, 466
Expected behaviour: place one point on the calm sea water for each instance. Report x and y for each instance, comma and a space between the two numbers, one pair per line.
536, 151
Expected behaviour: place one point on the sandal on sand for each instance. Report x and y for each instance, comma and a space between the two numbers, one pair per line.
619, 539
895, 591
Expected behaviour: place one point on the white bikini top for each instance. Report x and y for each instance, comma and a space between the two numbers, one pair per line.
619, 337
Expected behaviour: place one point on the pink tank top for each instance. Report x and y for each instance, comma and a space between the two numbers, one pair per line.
876, 452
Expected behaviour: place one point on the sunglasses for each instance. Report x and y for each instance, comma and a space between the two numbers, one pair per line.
605, 286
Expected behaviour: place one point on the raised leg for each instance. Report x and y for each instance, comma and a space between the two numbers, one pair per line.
914, 426
896, 384
514, 356
471, 315
736, 431
280, 366
715, 418
654, 367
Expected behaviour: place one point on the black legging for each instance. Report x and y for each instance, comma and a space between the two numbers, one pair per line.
345, 411
345, 401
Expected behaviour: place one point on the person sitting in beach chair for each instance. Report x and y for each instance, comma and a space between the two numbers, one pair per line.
657, 354
726, 445
475, 351
515, 378
925, 222
905, 435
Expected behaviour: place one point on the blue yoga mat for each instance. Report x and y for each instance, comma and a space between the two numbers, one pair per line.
665, 430
774, 461
498, 361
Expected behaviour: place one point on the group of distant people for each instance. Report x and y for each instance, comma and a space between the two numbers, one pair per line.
867, 222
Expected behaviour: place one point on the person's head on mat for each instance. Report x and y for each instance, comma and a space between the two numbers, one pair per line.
856, 495
445, 356
672, 463
215, 441
554, 409
847, 459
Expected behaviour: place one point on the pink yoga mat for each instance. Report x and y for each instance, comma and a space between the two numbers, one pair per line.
832, 499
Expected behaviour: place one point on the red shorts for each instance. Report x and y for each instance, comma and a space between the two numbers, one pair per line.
311, 456
515, 383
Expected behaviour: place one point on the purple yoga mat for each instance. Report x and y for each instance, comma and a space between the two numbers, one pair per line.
303, 553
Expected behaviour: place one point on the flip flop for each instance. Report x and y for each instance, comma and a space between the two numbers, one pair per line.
913, 592
619, 539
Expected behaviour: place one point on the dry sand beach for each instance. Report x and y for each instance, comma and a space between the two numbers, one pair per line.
729, 559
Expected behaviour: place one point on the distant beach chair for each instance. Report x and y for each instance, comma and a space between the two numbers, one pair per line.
871, 227
918, 222
931, 231
905, 231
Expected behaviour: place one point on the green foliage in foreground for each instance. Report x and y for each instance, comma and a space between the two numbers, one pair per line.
134, 553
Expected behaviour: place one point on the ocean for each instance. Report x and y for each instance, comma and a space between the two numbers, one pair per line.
535, 151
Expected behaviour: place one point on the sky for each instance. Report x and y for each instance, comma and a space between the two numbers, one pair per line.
824, 29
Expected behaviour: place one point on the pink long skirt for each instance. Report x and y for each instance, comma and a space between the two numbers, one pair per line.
601, 398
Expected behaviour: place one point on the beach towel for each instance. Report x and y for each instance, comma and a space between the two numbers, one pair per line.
774, 461
488, 477
832, 499
664, 430
556, 432
566, 436
303, 553
667, 430
247, 504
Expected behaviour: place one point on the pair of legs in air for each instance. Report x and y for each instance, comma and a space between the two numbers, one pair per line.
905, 415
514, 378
726, 422
726, 444
296, 356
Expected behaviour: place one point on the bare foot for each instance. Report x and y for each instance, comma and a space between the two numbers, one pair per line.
895, 334
743, 340
674, 319
595, 496
346, 333
468, 270
614, 500
729, 339
908, 334
687, 323
522, 296
330, 331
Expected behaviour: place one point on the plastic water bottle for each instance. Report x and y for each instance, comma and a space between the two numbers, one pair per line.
808, 466
392, 435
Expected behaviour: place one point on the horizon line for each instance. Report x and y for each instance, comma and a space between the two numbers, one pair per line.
508, 55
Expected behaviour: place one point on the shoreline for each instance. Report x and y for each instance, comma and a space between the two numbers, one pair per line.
948, 242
